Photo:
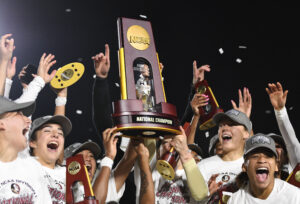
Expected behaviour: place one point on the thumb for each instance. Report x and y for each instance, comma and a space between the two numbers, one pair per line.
52, 74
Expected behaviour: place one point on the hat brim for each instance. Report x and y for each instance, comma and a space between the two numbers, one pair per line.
92, 146
260, 146
61, 120
221, 116
26, 108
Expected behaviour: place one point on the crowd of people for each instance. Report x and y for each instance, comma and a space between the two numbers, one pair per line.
242, 167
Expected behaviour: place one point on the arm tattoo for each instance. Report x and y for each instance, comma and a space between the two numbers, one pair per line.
144, 183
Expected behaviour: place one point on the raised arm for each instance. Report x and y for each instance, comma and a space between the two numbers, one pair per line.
100, 186
195, 180
102, 108
198, 75
60, 101
10, 73
278, 100
42, 77
197, 101
6, 51
146, 195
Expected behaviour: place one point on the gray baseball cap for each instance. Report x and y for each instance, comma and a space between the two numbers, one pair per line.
236, 116
6, 105
278, 139
260, 140
78, 147
195, 147
59, 119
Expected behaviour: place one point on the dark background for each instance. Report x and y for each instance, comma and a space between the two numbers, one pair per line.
75, 30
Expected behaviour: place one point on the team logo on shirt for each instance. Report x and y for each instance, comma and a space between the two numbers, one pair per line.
15, 188
225, 178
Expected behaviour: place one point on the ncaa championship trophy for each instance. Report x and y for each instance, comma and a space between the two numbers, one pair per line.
78, 185
294, 177
143, 110
208, 111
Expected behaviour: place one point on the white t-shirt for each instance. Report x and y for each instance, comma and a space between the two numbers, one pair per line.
227, 170
112, 194
56, 182
282, 192
21, 181
174, 191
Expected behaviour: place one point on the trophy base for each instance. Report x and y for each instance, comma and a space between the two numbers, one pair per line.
132, 121
165, 169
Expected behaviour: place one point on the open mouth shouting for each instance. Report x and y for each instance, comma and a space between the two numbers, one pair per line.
226, 138
89, 169
262, 174
52, 146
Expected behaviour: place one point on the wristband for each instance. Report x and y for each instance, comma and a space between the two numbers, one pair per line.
60, 101
106, 161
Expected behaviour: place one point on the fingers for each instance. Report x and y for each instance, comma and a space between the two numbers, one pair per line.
279, 86
205, 68
52, 75
233, 104
108, 133
268, 91
4, 38
107, 51
194, 67
240, 97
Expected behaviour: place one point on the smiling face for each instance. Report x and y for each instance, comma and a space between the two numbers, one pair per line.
15, 126
165, 146
261, 166
49, 144
232, 135
89, 161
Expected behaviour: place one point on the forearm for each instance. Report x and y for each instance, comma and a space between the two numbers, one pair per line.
3, 66
31, 92
101, 184
60, 105
102, 108
289, 136
191, 136
8, 83
195, 180
124, 167
188, 113
147, 187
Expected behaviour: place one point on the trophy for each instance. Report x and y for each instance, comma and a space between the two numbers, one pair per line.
294, 177
78, 187
208, 111
67, 75
142, 110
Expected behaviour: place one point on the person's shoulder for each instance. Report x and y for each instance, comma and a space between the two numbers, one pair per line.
237, 196
209, 160
283, 185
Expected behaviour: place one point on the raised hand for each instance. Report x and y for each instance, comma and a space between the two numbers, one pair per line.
102, 63
198, 100
276, 95
6, 47
110, 142
11, 68
245, 102
45, 64
140, 148
198, 73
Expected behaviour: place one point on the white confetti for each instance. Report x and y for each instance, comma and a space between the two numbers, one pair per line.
117, 85
79, 112
206, 134
291, 108
68, 10
94, 76
268, 112
238, 60
143, 16
242, 47
221, 51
